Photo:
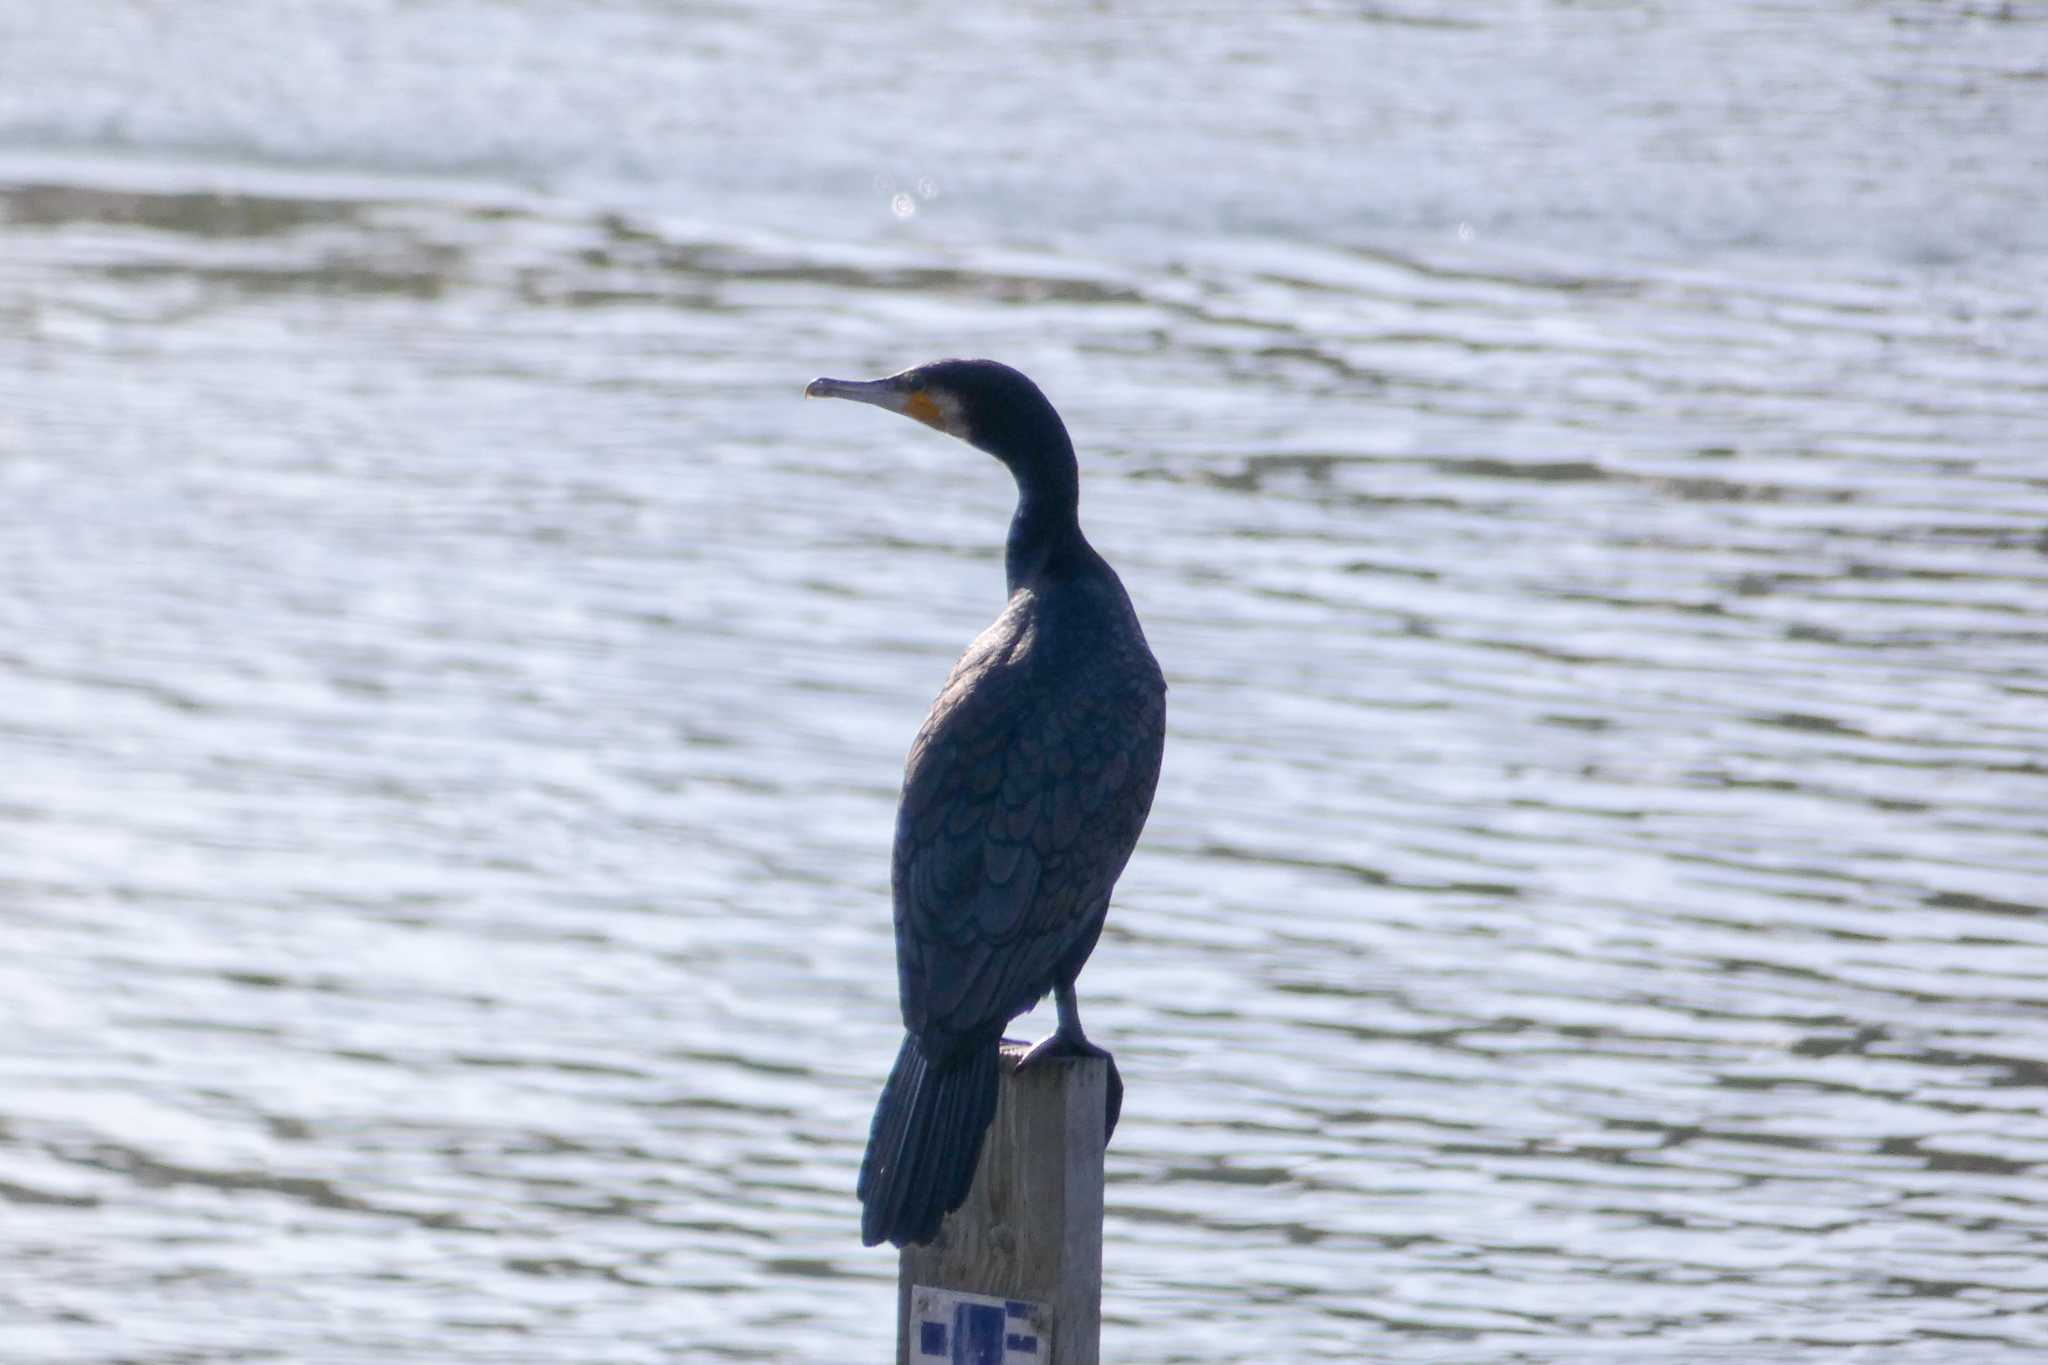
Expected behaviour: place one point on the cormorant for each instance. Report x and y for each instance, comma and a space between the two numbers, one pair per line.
1023, 797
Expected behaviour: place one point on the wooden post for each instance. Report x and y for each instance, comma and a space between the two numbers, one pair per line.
1028, 1241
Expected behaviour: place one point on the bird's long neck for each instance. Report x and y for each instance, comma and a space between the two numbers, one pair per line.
1045, 531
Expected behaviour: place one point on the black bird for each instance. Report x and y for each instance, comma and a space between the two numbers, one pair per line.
1022, 800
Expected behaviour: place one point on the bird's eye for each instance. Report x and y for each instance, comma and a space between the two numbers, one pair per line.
915, 383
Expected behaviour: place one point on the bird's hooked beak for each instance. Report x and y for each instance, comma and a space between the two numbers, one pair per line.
897, 394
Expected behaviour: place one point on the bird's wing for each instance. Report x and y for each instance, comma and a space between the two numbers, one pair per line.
1022, 800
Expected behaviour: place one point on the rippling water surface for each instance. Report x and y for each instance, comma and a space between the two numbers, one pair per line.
1581, 467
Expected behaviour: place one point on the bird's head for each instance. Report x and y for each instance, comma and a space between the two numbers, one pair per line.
984, 403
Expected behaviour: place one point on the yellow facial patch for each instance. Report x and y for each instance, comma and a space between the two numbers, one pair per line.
921, 406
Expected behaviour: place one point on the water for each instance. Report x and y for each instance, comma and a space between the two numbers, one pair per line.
1579, 465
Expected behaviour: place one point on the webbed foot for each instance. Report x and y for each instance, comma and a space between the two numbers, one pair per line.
1063, 1045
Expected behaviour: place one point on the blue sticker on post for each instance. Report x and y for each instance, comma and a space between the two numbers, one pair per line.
948, 1327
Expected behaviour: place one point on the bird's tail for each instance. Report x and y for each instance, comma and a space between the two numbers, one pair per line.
925, 1142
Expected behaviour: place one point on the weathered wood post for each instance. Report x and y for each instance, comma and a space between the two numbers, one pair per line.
1015, 1274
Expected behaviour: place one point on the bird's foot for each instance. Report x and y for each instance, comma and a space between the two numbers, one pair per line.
1061, 1045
